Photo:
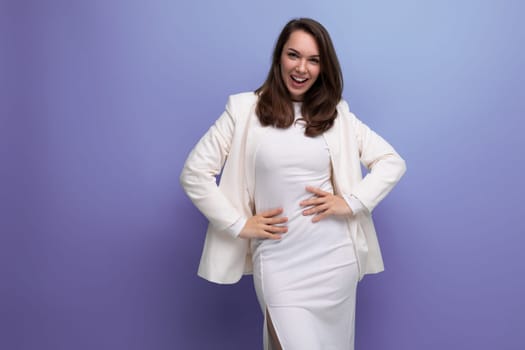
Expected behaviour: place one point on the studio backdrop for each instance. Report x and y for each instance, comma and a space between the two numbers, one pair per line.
100, 103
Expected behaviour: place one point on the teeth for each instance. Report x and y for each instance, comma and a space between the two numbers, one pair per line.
298, 79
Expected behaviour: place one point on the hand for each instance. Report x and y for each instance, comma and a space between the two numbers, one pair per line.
324, 204
262, 225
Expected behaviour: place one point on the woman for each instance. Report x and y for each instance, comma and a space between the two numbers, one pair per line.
292, 207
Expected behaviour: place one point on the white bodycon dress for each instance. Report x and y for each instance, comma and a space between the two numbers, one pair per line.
308, 279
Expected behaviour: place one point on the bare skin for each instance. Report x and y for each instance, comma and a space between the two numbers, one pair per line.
262, 225
276, 345
324, 204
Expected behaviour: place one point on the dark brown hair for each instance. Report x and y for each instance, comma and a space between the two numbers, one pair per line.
275, 107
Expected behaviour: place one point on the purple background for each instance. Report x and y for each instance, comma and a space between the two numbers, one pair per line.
100, 103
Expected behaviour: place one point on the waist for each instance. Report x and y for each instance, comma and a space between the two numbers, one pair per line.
303, 233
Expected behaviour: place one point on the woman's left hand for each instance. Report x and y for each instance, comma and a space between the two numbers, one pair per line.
324, 204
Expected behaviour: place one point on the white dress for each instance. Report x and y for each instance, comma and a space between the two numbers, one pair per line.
308, 279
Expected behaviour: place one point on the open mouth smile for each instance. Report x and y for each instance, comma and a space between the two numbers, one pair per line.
298, 80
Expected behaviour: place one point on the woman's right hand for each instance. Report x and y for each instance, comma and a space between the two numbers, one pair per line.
261, 226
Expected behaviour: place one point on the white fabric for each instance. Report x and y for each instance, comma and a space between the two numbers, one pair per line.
229, 145
235, 229
308, 278
354, 203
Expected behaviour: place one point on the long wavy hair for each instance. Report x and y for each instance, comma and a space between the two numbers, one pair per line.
275, 106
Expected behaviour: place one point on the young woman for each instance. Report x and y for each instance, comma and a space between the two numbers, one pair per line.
292, 207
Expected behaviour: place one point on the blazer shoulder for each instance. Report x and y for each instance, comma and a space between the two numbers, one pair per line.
241, 105
343, 111
242, 99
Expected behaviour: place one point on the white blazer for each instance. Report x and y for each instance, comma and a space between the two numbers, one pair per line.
230, 145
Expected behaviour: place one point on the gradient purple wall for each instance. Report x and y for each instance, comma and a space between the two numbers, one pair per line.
100, 103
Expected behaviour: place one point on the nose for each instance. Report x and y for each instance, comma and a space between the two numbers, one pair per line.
301, 67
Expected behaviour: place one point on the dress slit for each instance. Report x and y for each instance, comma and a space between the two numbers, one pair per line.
306, 281
269, 323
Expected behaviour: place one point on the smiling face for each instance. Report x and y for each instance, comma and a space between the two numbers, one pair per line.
300, 63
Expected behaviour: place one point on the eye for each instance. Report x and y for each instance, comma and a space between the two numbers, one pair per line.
314, 60
292, 55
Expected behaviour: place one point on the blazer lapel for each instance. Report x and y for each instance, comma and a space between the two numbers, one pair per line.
332, 139
253, 134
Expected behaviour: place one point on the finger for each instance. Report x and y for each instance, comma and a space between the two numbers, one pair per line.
266, 234
316, 209
271, 213
272, 236
321, 216
275, 229
275, 220
313, 201
317, 191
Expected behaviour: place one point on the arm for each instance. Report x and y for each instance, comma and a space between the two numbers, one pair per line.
385, 166
204, 163
198, 178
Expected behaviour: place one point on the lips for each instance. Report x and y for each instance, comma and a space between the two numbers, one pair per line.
298, 80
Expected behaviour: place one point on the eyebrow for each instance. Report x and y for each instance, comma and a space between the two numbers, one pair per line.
294, 50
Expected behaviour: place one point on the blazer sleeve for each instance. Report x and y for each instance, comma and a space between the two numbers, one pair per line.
385, 165
204, 163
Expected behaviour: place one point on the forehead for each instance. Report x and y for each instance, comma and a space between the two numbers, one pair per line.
303, 42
